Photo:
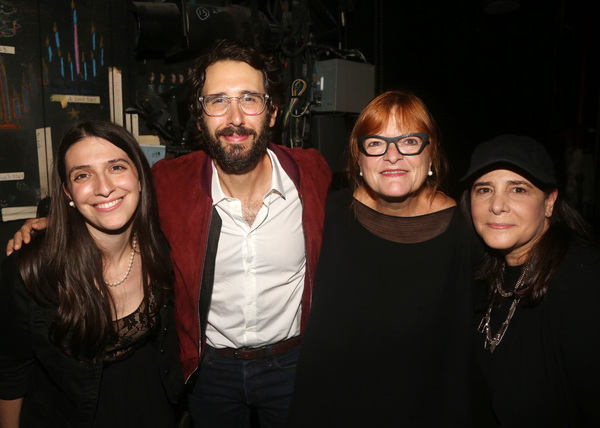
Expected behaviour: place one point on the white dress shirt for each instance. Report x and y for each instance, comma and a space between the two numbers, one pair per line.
259, 270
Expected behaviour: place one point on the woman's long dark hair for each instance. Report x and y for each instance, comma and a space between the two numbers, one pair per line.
63, 266
566, 225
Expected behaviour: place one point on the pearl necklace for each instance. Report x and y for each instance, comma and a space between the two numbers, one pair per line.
484, 325
133, 247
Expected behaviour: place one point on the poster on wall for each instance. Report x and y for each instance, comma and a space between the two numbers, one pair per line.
53, 72
21, 109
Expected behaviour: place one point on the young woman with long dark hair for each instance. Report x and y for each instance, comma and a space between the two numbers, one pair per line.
87, 336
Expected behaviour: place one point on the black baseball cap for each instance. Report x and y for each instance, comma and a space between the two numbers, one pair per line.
523, 153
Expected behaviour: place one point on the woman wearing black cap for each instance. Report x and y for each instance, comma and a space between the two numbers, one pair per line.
540, 350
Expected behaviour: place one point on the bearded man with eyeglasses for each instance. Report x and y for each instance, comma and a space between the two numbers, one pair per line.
244, 218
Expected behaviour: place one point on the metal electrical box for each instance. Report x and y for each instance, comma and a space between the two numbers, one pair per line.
342, 86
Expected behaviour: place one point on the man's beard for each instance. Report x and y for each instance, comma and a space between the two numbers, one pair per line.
234, 159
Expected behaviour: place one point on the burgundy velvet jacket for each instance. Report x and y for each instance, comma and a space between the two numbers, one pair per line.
183, 186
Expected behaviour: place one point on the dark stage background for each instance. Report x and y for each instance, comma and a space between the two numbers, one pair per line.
482, 69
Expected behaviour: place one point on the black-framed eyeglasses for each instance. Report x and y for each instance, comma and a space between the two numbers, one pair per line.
251, 104
407, 145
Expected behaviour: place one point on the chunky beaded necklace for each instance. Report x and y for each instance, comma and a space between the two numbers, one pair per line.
133, 247
484, 325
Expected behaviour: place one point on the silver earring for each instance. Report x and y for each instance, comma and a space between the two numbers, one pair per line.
360, 173
430, 173
72, 204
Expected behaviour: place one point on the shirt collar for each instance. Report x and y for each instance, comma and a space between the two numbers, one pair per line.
276, 187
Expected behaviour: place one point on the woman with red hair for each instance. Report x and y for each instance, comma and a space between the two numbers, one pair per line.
388, 339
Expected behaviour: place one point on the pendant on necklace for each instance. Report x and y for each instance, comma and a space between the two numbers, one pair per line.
490, 342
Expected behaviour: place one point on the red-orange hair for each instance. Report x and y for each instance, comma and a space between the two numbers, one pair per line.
409, 111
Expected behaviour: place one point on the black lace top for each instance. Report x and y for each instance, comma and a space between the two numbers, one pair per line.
133, 330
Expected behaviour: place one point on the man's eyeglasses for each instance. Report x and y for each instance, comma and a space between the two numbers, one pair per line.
407, 145
218, 105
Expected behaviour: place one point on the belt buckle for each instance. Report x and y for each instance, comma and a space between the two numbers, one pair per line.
239, 353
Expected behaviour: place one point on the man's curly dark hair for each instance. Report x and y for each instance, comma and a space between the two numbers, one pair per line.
234, 50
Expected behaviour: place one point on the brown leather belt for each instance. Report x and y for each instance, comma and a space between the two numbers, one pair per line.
264, 351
